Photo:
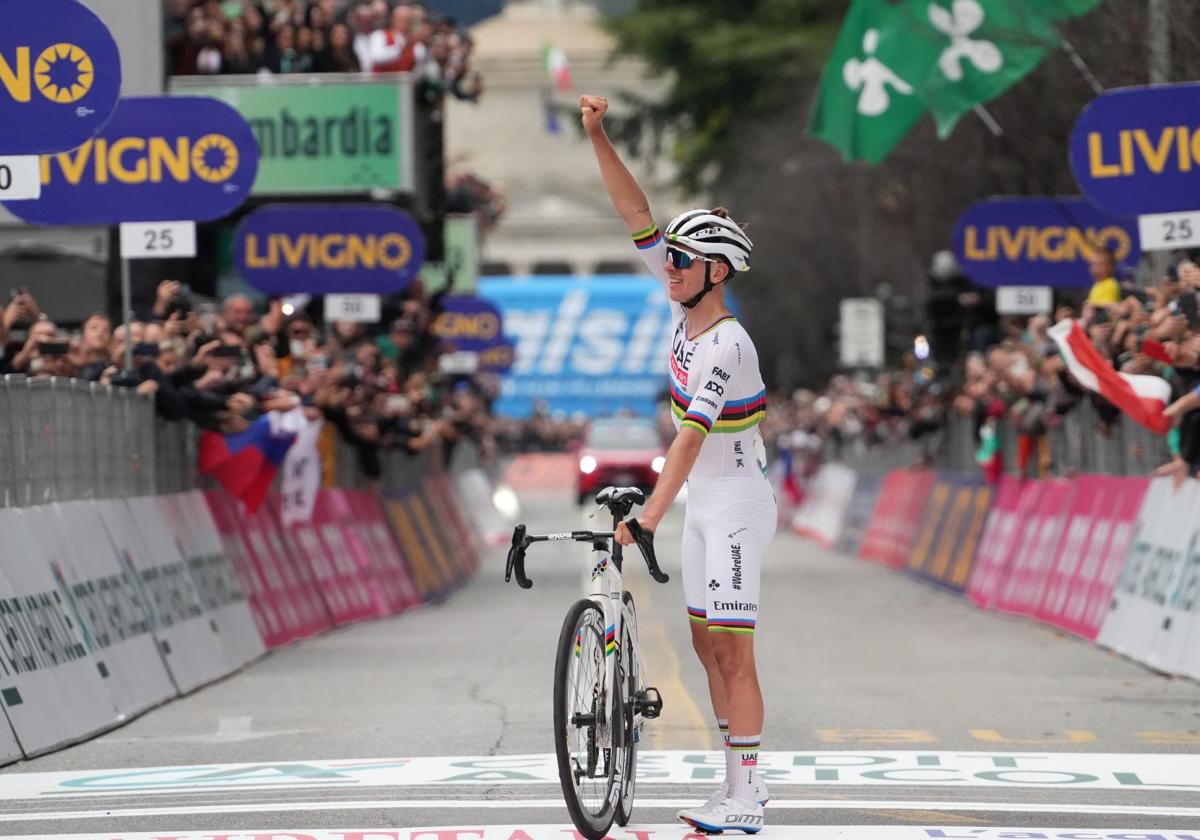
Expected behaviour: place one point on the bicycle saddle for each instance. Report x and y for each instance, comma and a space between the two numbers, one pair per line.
618, 495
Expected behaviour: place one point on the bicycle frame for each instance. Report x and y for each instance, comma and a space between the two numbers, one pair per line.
606, 590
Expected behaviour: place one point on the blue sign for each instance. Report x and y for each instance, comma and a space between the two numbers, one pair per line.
60, 76
500, 357
1039, 241
322, 249
469, 323
159, 159
594, 345
1137, 150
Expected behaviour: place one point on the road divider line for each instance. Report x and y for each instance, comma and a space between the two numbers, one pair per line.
557, 804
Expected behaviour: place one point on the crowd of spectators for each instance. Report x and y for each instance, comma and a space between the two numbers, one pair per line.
209, 37
1020, 380
223, 368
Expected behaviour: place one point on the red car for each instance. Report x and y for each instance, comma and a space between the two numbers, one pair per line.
622, 452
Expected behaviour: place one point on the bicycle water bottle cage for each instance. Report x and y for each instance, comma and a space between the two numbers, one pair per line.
620, 500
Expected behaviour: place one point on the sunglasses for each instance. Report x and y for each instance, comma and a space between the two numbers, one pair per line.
683, 259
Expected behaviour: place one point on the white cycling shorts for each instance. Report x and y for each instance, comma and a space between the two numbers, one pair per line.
726, 531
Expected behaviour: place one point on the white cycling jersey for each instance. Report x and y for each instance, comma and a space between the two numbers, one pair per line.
716, 388
715, 384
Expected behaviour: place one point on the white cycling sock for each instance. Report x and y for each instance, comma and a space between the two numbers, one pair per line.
723, 725
744, 750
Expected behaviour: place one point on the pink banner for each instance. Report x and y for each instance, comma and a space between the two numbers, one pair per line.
337, 577
1007, 523
1035, 552
290, 575
897, 516
266, 600
1110, 554
1091, 511
459, 533
366, 520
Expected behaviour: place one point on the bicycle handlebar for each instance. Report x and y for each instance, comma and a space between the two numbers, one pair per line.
522, 540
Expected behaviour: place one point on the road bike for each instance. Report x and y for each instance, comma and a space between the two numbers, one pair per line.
601, 700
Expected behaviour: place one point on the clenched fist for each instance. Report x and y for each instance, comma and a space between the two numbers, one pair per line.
592, 110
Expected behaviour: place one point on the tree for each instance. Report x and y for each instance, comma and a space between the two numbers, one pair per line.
744, 76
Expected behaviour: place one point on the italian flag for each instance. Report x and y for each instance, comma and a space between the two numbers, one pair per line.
554, 61
1141, 397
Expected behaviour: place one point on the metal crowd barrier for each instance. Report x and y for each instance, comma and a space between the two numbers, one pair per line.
65, 439
1077, 444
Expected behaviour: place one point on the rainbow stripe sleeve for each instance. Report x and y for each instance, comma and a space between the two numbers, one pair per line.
648, 238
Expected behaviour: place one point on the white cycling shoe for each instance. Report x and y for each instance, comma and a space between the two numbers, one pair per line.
722, 793
727, 815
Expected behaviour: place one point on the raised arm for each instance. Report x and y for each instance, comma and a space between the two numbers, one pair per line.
627, 196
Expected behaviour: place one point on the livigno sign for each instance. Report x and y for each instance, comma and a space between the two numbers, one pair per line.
321, 134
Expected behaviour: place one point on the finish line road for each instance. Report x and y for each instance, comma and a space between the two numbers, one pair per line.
894, 712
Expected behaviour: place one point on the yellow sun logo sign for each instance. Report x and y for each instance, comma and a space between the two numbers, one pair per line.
63, 73
214, 158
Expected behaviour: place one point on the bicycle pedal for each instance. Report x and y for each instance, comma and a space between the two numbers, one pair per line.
649, 702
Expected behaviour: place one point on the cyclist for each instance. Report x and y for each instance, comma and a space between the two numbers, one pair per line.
717, 401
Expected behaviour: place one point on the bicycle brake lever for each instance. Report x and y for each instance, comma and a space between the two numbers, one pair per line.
516, 559
645, 542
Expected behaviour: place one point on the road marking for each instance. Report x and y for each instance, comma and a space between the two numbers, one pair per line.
530, 831
1050, 739
1191, 736
1134, 772
876, 736
557, 805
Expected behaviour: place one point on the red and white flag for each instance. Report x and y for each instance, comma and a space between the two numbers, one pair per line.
1141, 397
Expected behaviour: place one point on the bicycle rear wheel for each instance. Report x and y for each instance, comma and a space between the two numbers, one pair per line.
629, 676
586, 741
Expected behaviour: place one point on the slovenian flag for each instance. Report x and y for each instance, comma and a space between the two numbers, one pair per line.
554, 61
1141, 397
245, 464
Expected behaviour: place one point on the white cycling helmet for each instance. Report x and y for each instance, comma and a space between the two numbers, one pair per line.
712, 236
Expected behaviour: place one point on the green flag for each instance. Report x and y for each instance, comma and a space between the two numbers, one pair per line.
963, 53
863, 107
1063, 9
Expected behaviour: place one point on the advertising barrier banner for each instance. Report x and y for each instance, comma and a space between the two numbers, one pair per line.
363, 520
108, 599
187, 642
322, 249
342, 586
594, 345
858, 513
214, 576
950, 531
893, 528
1136, 150
50, 686
1100, 527
157, 159
1154, 603
341, 138
296, 579
475, 490
1039, 241
821, 513
62, 76
1011, 508
428, 574
270, 613
1037, 548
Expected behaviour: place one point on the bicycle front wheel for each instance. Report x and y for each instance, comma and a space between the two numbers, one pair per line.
585, 738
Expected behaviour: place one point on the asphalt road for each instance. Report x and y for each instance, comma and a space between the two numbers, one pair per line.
889, 704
